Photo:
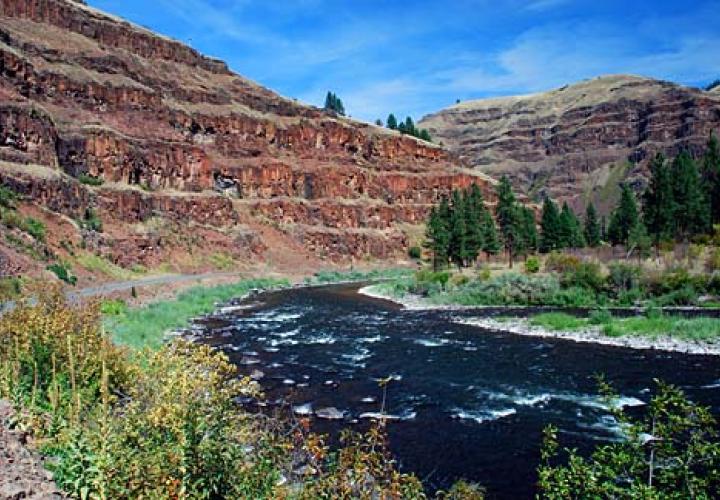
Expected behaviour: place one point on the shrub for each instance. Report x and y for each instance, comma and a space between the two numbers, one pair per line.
532, 265
35, 228
92, 221
415, 252
484, 274
713, 261
623, 276
10, 288
90, 180
425, 279
586, 275
561, 262
63, 272
8, 197
673, 433
600, 317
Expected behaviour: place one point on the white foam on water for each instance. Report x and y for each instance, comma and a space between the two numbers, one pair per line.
324, 339
303, 410
289, 381
406, 415
432, 342
285, 335
275, 343
368, 400
372, 340
714, 385
532, 400
272, 349
483, 416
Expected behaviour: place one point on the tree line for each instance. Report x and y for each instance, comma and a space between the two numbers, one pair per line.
460, 228
681, 202
407, 127
334, 103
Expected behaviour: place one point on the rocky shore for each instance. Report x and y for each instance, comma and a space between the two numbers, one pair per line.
522, 326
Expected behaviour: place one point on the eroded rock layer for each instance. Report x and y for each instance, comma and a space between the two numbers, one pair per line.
579, 141
170, 132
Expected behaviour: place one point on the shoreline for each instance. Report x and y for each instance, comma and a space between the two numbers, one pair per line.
521, 326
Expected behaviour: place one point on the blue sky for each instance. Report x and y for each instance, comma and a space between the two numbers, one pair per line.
418, 57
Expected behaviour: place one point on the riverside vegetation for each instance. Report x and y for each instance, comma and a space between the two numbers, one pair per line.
162, 423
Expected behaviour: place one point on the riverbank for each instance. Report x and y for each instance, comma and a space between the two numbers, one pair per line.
584, 333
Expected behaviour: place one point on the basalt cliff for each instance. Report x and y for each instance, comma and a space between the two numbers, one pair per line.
580, 141
97, 113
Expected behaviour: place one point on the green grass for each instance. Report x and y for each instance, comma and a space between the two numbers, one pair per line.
651, 326
323, 277
96, 263
146, 326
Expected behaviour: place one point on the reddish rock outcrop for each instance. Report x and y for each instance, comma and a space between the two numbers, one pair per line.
575, 140
173, 133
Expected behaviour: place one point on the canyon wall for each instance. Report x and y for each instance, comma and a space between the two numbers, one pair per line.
580, 141
153, 128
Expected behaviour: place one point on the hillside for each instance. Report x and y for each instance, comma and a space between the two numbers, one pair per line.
180, 157
579, 141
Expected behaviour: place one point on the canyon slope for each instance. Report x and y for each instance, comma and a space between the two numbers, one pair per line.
580, 141
180, 157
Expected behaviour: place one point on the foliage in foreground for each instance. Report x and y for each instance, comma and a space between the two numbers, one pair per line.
672, 452
163, 424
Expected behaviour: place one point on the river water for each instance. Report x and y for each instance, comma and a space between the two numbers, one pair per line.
470, 403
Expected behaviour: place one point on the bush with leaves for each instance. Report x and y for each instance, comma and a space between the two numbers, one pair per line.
672, 452
532, 265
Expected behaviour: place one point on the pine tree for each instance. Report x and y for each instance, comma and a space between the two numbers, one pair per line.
549, 227
437, 236
379, 122
474, 208
624, 218
334, 103
659, 201
639, 241
592, 227
425, 135
507, 218
692, 211
410, 126
711, 177
565, 227
491, 245
392, 123
459, 252
528, 230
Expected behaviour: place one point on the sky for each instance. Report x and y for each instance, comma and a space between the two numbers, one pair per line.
415, 58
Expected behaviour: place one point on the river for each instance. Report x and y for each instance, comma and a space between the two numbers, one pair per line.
469, 403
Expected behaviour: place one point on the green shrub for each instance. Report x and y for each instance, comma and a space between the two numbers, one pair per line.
63, 272
113, 307
35, 228
585, 275
484, 273
623, 276
92, 221
561, 262
600, 317
90, 180
532, 265
8, 197
415, 252
10, 288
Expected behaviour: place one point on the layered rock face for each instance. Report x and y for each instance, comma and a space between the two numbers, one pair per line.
171, 132
579, 141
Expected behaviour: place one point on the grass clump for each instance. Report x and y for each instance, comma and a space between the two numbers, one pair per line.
90, 180
147, 326
327, 277
654, 324
64, 273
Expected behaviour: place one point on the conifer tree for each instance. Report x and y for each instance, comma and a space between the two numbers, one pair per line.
491, 245
437, 236
474, 208
410, 126
623, 218
459, 251
592, 227
528, 230
565, 227
659, 201
392, 122
692, 211
549, 227
508, 219
425, 135
334, 103
711, 177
